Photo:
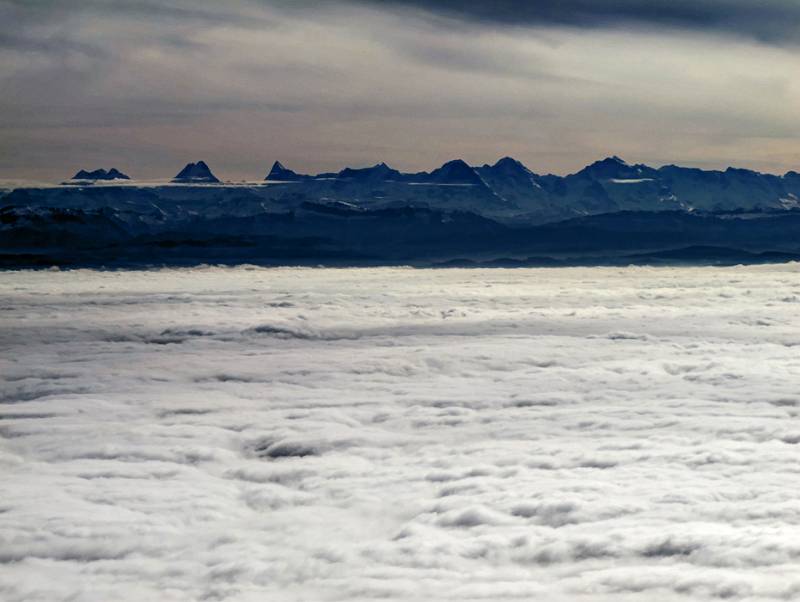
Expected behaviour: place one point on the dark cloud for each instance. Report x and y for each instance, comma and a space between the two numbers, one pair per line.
776, 21
767, 20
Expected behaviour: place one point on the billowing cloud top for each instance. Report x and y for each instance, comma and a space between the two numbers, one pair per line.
400, 434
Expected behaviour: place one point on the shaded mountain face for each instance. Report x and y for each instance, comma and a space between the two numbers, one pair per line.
792, 183
100, 174
718, 190
455, 172
519, 186
508, 169
196, 173
614, 168
510, 176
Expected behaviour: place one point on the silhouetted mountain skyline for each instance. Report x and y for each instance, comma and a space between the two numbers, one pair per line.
611, 167
101, 174
507, 191
503, 211
455, 170
198, 173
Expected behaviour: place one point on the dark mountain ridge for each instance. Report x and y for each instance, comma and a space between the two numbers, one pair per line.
197, 173
519, 194
339, 234
506, 191
100, 174
503, 211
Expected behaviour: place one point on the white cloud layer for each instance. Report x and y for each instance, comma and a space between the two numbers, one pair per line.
299, 434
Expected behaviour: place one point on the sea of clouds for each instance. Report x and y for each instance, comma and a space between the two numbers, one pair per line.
397, 434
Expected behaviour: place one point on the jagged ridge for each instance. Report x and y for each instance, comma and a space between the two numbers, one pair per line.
100, 174
196, 173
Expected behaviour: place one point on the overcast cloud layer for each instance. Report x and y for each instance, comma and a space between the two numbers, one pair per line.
398, 434
148, 86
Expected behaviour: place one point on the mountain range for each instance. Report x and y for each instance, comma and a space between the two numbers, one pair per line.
100, 174
511, 192
455, 212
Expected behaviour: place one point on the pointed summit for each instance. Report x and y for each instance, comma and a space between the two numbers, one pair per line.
196, 173
614, 168
456, 172
612, 162
507, 162
114, 174
279, 173
510, 167
509, 176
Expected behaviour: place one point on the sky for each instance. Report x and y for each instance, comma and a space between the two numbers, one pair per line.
147, 86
